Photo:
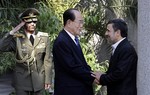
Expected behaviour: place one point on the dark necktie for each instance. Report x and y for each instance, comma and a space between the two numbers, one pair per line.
77, 41
32, 39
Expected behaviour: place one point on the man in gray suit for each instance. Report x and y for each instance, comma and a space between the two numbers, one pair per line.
33, 58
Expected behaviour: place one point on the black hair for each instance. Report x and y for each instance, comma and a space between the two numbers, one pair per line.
119, 24
68, 14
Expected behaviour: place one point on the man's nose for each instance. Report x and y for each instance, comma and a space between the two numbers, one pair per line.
32, 22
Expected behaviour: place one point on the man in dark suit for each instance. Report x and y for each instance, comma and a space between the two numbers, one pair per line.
120, 78
72, 73
33, 58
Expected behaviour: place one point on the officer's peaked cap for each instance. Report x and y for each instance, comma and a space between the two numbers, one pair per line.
29, 13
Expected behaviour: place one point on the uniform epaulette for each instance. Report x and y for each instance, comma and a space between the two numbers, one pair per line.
39, 34
19, 35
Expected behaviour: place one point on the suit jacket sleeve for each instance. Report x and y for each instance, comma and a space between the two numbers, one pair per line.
48, 63
7, 43
71, 62
123, 62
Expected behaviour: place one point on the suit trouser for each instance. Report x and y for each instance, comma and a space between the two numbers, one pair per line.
23, 92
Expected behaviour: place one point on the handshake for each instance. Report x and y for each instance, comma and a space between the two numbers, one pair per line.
97, 76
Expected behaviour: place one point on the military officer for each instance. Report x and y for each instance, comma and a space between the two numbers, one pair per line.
32, 73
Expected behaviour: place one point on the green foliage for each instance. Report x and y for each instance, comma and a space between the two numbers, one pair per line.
6, 58
6, 62
5, 25
95, 66
94, 16
101, 67
59, 6
123, 8
51, 12
91, 59
48, 21
9, 11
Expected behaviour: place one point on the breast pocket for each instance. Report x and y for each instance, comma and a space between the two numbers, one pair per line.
41, 50
24, 50
40, 47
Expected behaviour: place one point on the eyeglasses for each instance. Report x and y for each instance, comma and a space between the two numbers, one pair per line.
30, 20
79, 21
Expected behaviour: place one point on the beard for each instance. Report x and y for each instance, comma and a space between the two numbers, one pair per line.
109, 40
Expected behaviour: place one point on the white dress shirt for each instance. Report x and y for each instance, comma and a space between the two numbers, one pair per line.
28, 35
114, 46
72, 36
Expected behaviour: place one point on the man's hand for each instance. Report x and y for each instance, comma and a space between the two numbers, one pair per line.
17, 28
97, 76
96, 81
47, 86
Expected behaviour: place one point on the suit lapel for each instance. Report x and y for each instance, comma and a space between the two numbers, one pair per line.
118, 47
76, 49
36, 40
27, 41
70, 41
114, 57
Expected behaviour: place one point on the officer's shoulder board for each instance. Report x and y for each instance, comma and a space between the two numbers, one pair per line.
42, 34
19, 35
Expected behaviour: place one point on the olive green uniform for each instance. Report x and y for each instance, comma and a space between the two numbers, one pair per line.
33, 62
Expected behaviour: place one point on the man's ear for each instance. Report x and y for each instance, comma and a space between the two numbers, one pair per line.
69, 22
118, 32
